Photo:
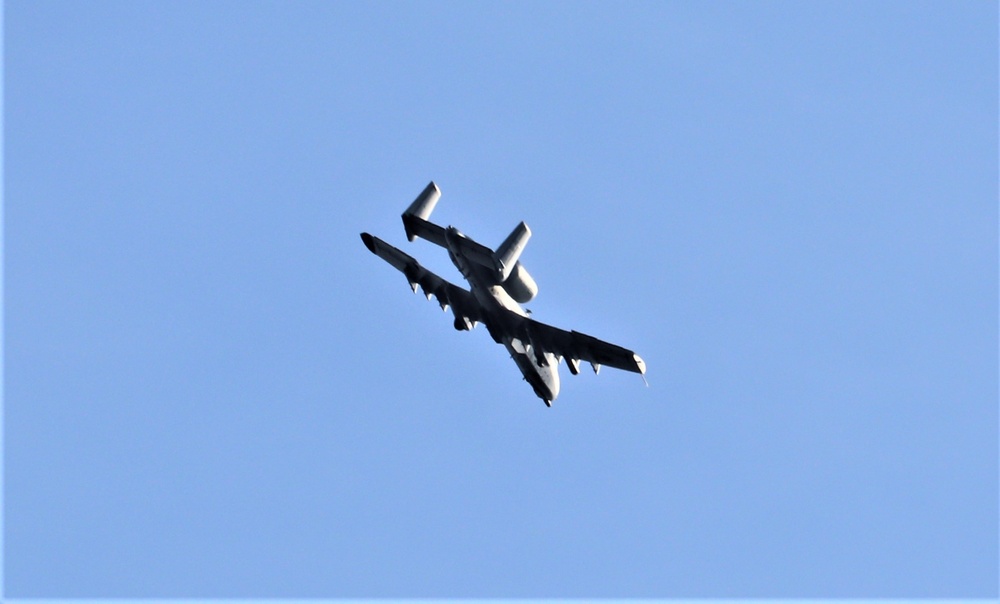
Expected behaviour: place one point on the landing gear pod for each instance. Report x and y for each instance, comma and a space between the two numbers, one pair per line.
574, 365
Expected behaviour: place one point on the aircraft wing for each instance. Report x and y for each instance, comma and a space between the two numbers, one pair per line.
464, 305
574, 346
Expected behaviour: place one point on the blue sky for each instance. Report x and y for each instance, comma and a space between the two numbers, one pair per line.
788, 209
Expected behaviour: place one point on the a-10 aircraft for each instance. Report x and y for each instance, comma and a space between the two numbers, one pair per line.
499, 282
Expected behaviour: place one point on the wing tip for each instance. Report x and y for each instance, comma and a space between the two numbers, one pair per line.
369, 242
639, 364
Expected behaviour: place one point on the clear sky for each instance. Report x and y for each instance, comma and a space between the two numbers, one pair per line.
788, 209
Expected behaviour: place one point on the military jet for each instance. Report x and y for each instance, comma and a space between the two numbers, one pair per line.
499, 285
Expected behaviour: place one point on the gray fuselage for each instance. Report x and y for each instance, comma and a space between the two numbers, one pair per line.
541, 371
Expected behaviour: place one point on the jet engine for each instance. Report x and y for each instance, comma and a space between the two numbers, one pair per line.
520, 285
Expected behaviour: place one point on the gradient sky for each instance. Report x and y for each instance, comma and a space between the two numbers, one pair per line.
788, 209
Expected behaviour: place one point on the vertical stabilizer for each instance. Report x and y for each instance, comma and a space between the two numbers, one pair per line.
421, 208
511, 248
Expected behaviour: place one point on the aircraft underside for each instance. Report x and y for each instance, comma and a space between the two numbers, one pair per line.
499, 285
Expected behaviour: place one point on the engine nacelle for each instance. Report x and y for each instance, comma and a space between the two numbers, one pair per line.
520, 285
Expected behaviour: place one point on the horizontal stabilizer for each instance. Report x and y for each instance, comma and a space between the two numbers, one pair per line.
475, 252
418, 227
